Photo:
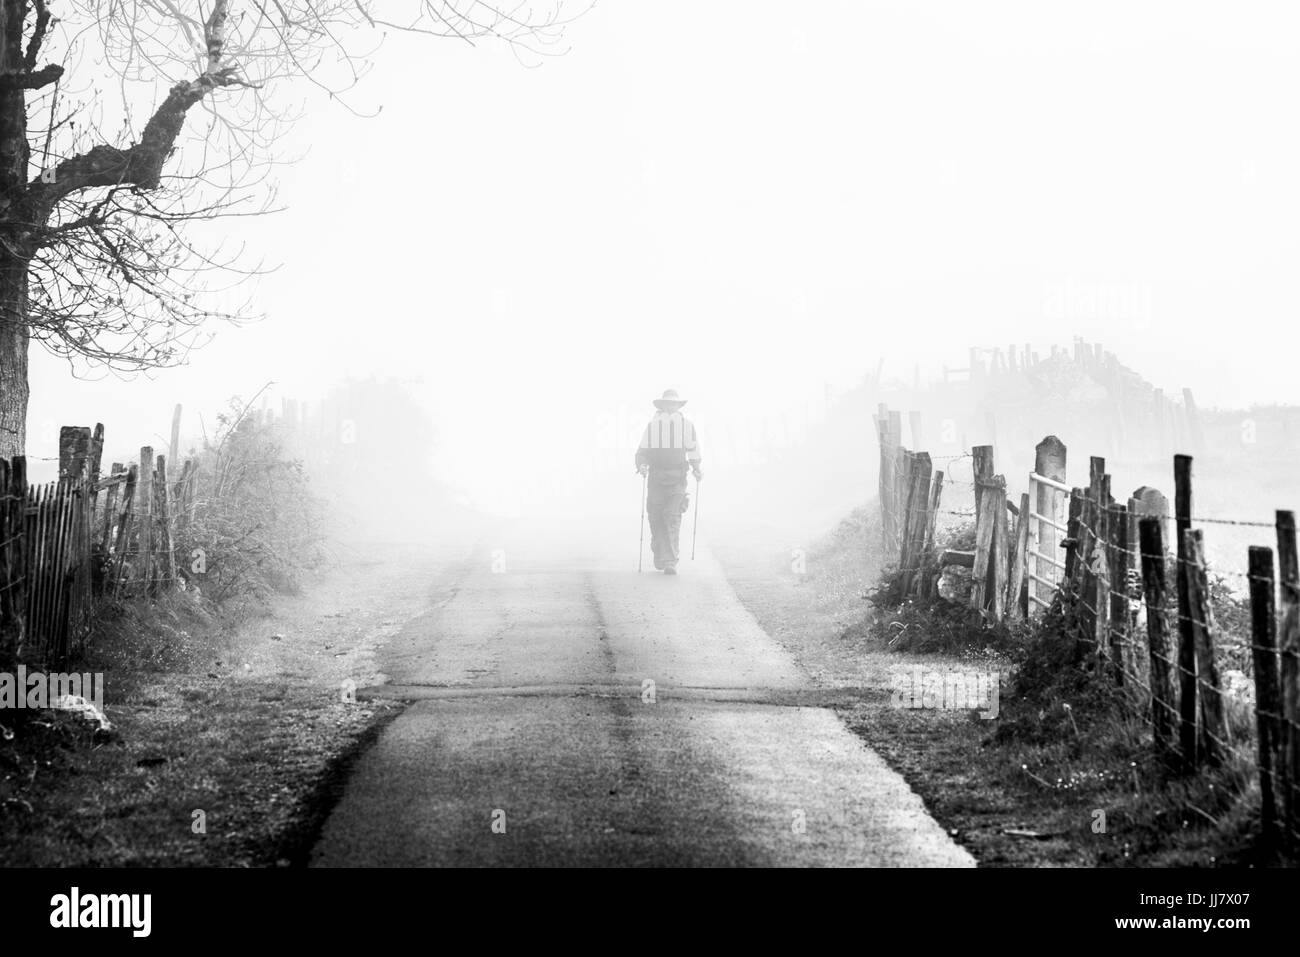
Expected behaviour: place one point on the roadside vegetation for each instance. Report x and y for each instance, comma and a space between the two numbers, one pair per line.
1065, 774
228, 725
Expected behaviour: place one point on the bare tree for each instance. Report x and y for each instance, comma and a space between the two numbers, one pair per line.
103, 253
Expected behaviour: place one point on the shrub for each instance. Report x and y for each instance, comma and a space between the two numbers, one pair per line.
251, 523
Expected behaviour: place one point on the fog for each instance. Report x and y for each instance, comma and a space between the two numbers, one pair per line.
759, 207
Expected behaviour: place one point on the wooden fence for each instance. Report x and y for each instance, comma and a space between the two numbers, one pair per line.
68, 544
1106, 565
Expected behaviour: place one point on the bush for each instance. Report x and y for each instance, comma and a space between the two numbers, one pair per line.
251, 524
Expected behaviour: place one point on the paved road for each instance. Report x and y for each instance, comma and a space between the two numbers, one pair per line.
533, 737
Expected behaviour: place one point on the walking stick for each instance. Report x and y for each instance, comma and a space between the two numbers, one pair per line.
640, 549
695, 523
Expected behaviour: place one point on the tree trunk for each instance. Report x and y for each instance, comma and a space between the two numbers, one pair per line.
14, 338
15, 236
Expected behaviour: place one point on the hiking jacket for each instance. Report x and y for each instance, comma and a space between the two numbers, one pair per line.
669, 445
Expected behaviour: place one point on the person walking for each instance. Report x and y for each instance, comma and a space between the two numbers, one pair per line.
669, 451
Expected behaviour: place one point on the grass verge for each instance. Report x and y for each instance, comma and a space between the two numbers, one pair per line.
231, 737
1064, 775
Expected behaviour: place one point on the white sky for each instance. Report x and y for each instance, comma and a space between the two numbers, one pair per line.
743, 201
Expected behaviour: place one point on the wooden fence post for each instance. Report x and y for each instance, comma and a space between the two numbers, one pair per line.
1049, 462
902, 482
1148, 502
1016, 575
110, 505
124, 526
1071, 543
1186, 637
903, 510
997, 503
1088, 615
988, 579
1119, 558
1100, 568
95, 452
925, 585
886, 483
1264, 645
174, 445
1163, 712
145, 490
1289, 575
166, 542
982, 469
1211, 695
918, 498
74, 450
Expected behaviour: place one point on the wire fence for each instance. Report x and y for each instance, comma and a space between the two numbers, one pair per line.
1137, 601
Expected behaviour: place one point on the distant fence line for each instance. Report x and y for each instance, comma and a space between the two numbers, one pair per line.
1004, 394
1104, 564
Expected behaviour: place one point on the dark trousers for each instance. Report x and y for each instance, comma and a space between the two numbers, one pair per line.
665, 496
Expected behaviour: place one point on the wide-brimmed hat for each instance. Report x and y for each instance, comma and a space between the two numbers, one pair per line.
670, 401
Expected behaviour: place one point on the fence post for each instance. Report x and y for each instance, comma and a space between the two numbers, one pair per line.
1264, 645
1089, 616
1186, 638
145, 489
903, 514
1119, 559
997, 503
1071, 542
886, 483
1100, 568
166, 539
174, 445
95, 453
1016, 575
124, 526
1289, 639
1163, 713
982, 469
1198, 591
110, 505
902, 484
74, 450
988, 578
898, 469
1049, 462
918, 497
1148, 502
927, 548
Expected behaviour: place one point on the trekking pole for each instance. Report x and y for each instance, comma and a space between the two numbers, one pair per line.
695, 522
640, 549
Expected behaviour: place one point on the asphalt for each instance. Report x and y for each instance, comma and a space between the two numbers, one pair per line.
565, 710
